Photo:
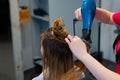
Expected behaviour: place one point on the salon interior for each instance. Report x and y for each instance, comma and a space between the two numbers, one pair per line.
22, 22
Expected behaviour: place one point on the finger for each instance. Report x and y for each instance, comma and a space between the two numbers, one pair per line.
79, 15
67, 40
70, 37
76, 13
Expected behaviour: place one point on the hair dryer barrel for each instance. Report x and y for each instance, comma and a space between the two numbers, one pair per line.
88, 10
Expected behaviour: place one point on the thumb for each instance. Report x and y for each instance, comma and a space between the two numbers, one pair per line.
68, 41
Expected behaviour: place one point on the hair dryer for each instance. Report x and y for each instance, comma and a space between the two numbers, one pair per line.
88, 10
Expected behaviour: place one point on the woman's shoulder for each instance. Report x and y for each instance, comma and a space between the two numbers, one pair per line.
40, 77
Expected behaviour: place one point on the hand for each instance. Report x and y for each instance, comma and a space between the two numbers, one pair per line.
76, 45
77, 13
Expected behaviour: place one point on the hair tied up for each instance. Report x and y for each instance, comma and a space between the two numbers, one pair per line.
58, 28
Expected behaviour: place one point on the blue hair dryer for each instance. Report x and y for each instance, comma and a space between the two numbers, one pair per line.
88, 10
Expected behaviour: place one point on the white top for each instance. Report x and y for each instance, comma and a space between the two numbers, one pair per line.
40, 77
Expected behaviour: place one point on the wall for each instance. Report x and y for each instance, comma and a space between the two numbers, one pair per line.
107, 31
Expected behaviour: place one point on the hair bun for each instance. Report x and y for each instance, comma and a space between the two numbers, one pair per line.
58, 28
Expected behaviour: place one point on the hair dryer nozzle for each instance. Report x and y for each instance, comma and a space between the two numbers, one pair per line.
86, 35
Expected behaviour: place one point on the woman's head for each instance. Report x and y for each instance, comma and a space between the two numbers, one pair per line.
57, 57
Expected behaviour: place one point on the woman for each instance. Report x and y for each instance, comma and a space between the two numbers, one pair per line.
58, 61
107, 17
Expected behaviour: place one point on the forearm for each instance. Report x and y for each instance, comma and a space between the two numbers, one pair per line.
98, 70
104, 16
78, 48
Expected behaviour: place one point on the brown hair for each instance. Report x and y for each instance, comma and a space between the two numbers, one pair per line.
57, 57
